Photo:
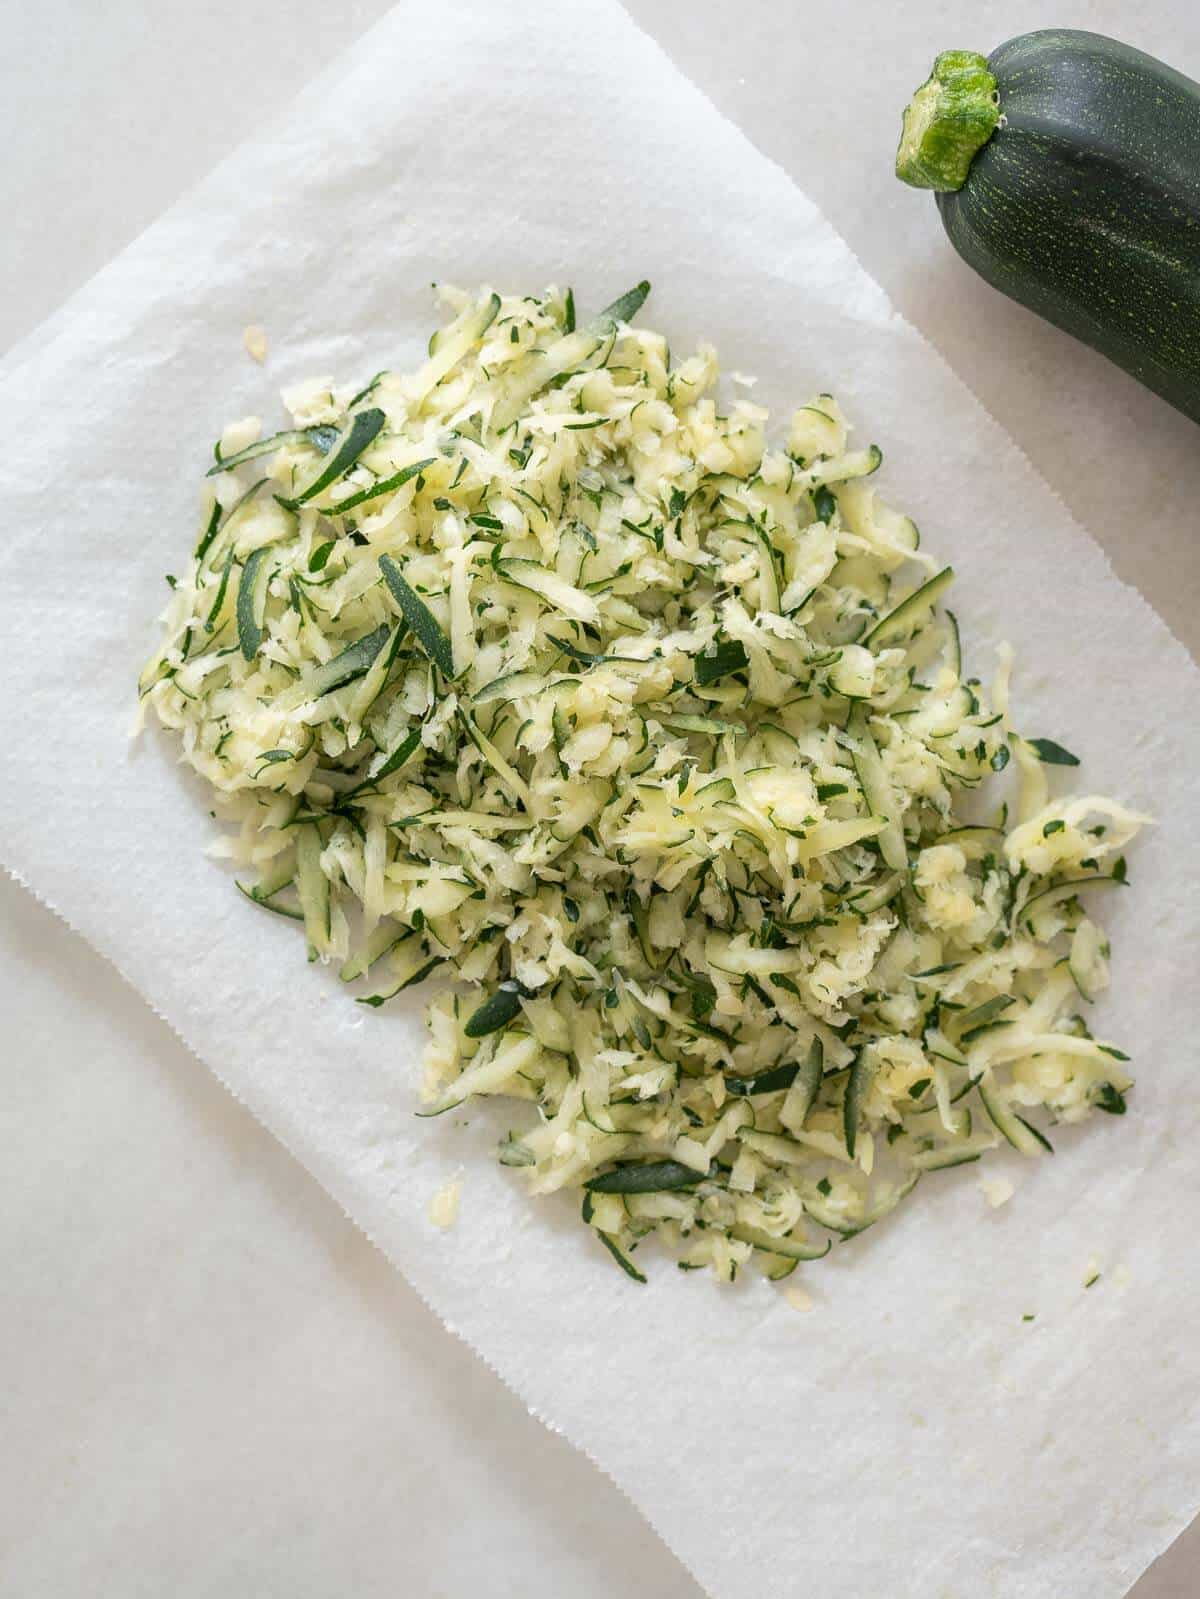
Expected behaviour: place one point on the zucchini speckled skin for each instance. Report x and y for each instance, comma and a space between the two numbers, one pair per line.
1084, 205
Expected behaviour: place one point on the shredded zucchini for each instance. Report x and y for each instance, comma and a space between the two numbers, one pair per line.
549, 676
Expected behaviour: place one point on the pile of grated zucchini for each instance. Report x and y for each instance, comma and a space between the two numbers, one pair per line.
538, 670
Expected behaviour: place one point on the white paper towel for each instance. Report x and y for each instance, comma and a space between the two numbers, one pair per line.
911, 1435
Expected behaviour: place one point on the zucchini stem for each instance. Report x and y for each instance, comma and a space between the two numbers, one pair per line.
947, 122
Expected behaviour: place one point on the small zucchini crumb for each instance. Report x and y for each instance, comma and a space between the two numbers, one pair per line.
996, 1190
443, 1207
1091, 1273
255, 340
798, 1299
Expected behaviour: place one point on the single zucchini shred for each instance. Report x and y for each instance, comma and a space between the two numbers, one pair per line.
556, 679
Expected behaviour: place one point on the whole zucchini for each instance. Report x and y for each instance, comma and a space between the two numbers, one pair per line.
1068, 175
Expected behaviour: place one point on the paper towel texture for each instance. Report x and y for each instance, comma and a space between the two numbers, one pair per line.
911, 1434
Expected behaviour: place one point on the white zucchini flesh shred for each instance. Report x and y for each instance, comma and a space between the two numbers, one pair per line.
537, 670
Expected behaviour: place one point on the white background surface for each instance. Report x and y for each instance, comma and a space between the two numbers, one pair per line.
212, 1384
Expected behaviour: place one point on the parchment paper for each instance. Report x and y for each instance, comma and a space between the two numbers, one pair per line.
912, 1434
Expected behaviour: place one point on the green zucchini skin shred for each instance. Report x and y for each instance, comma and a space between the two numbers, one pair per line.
647, 1177
418, 616
496, 1012
1083, 204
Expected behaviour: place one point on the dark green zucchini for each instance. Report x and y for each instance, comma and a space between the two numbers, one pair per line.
1067, 171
